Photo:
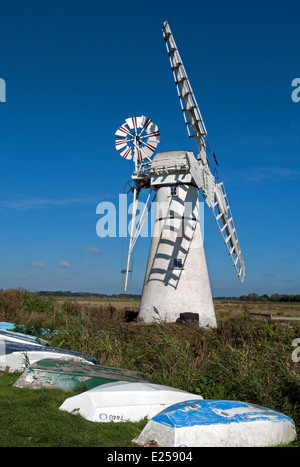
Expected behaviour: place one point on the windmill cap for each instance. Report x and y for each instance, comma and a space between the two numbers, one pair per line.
168, 160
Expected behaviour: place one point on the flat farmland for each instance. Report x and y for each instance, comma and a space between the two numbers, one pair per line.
224, 308
231, 308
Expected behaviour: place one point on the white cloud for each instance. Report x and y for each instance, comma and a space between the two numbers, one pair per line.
63, 264
24, 204
37, 264
90, 249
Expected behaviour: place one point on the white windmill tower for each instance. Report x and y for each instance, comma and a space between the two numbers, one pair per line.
176, 279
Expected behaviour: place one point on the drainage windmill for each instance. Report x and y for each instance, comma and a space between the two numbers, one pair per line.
176, 279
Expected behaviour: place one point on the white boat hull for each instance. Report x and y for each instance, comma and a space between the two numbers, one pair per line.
124, 401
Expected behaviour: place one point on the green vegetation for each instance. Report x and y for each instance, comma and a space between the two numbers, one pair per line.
31, 418
243, 359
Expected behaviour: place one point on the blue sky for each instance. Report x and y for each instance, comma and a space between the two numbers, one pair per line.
74, 70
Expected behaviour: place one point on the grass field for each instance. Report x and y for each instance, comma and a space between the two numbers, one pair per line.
31, 418
248, 357
223, 308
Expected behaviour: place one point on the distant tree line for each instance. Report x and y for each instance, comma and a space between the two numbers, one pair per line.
68, 293
254, 297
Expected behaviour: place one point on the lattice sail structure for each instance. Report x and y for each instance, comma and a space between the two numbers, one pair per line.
214, 193
191, 113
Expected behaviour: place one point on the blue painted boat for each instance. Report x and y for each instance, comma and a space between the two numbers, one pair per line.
218, 423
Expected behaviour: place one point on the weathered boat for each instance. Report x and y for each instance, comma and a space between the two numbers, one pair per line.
70, 375
17, 355
20, 337
218, 423
124, 401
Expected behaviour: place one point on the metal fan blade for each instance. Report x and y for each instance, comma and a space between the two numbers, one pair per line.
152, 129
126, 153
123, 130
149, 148
134, 122
149, 128
154, 136
131, 122
153, 141
120, 144
145, 122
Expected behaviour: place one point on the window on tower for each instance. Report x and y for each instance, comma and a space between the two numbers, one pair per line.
178, 263
173, 190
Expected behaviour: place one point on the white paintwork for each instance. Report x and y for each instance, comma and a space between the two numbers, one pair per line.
168, 290
243, 426
21, 338
124, 401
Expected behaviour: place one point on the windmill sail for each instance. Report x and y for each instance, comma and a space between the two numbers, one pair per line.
191, 113
214, 193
